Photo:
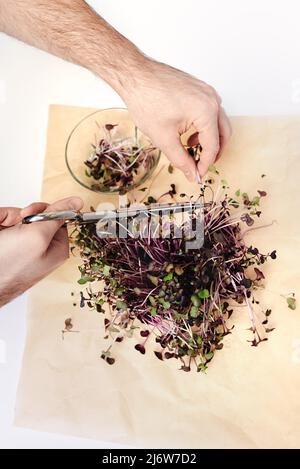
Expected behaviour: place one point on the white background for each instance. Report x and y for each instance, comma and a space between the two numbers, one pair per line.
248, 50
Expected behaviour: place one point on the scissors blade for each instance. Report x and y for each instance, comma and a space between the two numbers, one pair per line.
154, 209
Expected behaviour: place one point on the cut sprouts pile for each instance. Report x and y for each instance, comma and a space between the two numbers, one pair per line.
181, 298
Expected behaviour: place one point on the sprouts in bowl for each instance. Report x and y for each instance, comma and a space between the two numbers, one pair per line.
106, 152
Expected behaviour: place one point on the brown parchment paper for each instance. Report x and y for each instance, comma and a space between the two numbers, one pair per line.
249, 396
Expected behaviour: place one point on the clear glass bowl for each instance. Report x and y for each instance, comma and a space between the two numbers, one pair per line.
88, 131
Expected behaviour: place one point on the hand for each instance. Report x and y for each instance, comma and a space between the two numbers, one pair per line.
166, 102
30, 252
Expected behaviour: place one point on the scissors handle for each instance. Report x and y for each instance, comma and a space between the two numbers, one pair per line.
67, 216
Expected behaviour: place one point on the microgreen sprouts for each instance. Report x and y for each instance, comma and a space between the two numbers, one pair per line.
117, 164
182, 298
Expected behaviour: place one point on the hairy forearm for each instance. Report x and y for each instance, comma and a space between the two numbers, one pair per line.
73, 31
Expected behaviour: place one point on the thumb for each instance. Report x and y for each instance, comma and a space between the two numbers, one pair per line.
10, 216
179, 157
48, 228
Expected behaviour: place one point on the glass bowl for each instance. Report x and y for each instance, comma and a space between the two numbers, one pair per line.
89, 131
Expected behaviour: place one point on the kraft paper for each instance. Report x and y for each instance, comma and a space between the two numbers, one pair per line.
249, 397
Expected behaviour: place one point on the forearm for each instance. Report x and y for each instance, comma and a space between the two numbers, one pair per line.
73, 31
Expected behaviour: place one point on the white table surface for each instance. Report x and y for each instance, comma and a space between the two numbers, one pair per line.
248, 50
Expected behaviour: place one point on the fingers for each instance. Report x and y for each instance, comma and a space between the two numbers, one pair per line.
47, 229
179, 157
10, 216
224, 131
36, 207
209, 140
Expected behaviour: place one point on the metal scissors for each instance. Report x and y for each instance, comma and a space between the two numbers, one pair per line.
71, 216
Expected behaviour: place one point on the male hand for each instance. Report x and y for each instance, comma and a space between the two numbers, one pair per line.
30, 252
166, 102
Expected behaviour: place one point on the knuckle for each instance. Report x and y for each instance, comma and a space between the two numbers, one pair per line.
211, 90
213, 93
214, 105
211, 105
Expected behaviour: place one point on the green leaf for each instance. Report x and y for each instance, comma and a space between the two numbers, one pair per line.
234, 203
100, 302
168, 277
198, 340
165, 304
195, 300
201, 367
213, 169
179, 316
255, 200
113, 282
209, 355
106, 270
203, 293
137, 291
119, 291
194, 311
291, 301
153, 311
152, 300
130, 332
121, 304
84, 280
238, 193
